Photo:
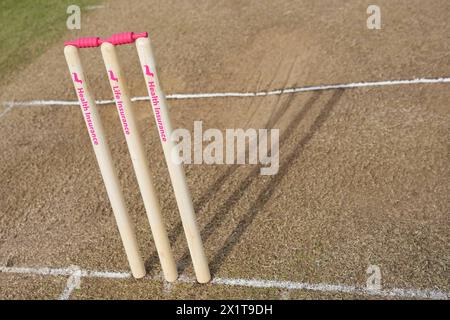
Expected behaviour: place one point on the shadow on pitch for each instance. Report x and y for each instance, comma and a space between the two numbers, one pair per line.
200, 204
263, 197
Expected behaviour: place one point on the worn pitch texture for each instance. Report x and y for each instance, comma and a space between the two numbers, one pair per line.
364, 174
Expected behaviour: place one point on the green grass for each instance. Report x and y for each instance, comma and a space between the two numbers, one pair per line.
28, 27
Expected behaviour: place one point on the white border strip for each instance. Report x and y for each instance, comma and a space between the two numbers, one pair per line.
252, 283
179, 96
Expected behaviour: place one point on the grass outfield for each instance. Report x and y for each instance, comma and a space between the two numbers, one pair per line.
28, 27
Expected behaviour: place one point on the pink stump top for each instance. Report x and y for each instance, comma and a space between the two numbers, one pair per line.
115, 39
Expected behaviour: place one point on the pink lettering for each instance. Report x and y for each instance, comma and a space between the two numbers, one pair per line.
155, 103
120, 108
87, 115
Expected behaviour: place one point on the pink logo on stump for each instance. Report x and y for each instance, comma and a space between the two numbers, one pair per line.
112, 76
148, 72
75, 78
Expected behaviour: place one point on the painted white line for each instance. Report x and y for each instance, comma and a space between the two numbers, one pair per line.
39, 103
178, 96
106, 274
94, 7
73, 282
9, 105
37, 271
252, 283
333, 288
185, 279
44, 271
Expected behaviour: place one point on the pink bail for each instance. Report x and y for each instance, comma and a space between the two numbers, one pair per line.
115, 39
124, 38
84, 42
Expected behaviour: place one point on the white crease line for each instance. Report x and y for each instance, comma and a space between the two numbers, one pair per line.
10, 105
252, 283
246, 94
71, 285
106, 274
324, 287
94, 7
44, 271
37, 271
73, 282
